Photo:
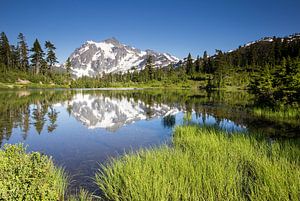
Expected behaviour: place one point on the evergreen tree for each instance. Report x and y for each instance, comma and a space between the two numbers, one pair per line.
205, 63
15, 57
198, 64
189, 65
37, 56
44, 69
149, 68
5, 51
68, 66
23, 52
219, 72
51, 57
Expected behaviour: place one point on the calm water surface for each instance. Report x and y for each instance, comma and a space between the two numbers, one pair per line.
82, 128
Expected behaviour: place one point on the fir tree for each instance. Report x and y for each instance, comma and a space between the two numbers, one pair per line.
219, 71
68, 66
149, 68
189, 65
205, 63
51, 57
44, 69
5, 51
37, 56
23, 52
15, 57
198, 64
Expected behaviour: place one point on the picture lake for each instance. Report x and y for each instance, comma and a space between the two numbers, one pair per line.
82, 129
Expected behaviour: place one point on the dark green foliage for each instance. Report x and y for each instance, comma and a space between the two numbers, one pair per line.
278, 85
269, 67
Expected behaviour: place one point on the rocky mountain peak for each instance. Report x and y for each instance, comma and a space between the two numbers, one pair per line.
113, 41
111, 56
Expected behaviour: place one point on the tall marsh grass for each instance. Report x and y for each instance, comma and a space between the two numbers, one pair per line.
206, 164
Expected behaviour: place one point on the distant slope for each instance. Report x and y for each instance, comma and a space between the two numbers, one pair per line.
268, 50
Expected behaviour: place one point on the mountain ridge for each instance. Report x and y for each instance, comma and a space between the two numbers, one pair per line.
111, 56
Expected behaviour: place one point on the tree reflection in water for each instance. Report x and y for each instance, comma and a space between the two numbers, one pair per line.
21, 109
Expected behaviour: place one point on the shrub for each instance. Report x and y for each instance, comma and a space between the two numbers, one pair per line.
29, 176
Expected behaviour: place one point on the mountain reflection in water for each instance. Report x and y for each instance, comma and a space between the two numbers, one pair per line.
80, 128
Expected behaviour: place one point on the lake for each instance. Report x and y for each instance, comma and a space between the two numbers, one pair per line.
82, 129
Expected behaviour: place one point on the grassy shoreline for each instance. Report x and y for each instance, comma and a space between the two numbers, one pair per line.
150, 85
115, 86
30, 86
206, 164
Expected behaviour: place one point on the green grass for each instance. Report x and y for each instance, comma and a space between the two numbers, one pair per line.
29, 176
190, 84
30, 86
82, 195
286, 114
206, 164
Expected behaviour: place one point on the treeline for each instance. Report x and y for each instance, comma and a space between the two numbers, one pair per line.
35, 64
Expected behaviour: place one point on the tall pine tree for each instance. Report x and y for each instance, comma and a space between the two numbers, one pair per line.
5, 50
51, 57
68, 66
198, 64
23, 52
37, 56
15, 57
206, 67
189, 65
149, 68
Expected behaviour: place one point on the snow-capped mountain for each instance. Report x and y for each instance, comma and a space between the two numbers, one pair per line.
113, 113
287, 39
110, 56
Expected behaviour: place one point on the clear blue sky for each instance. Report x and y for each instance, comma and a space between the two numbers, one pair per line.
177, 27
